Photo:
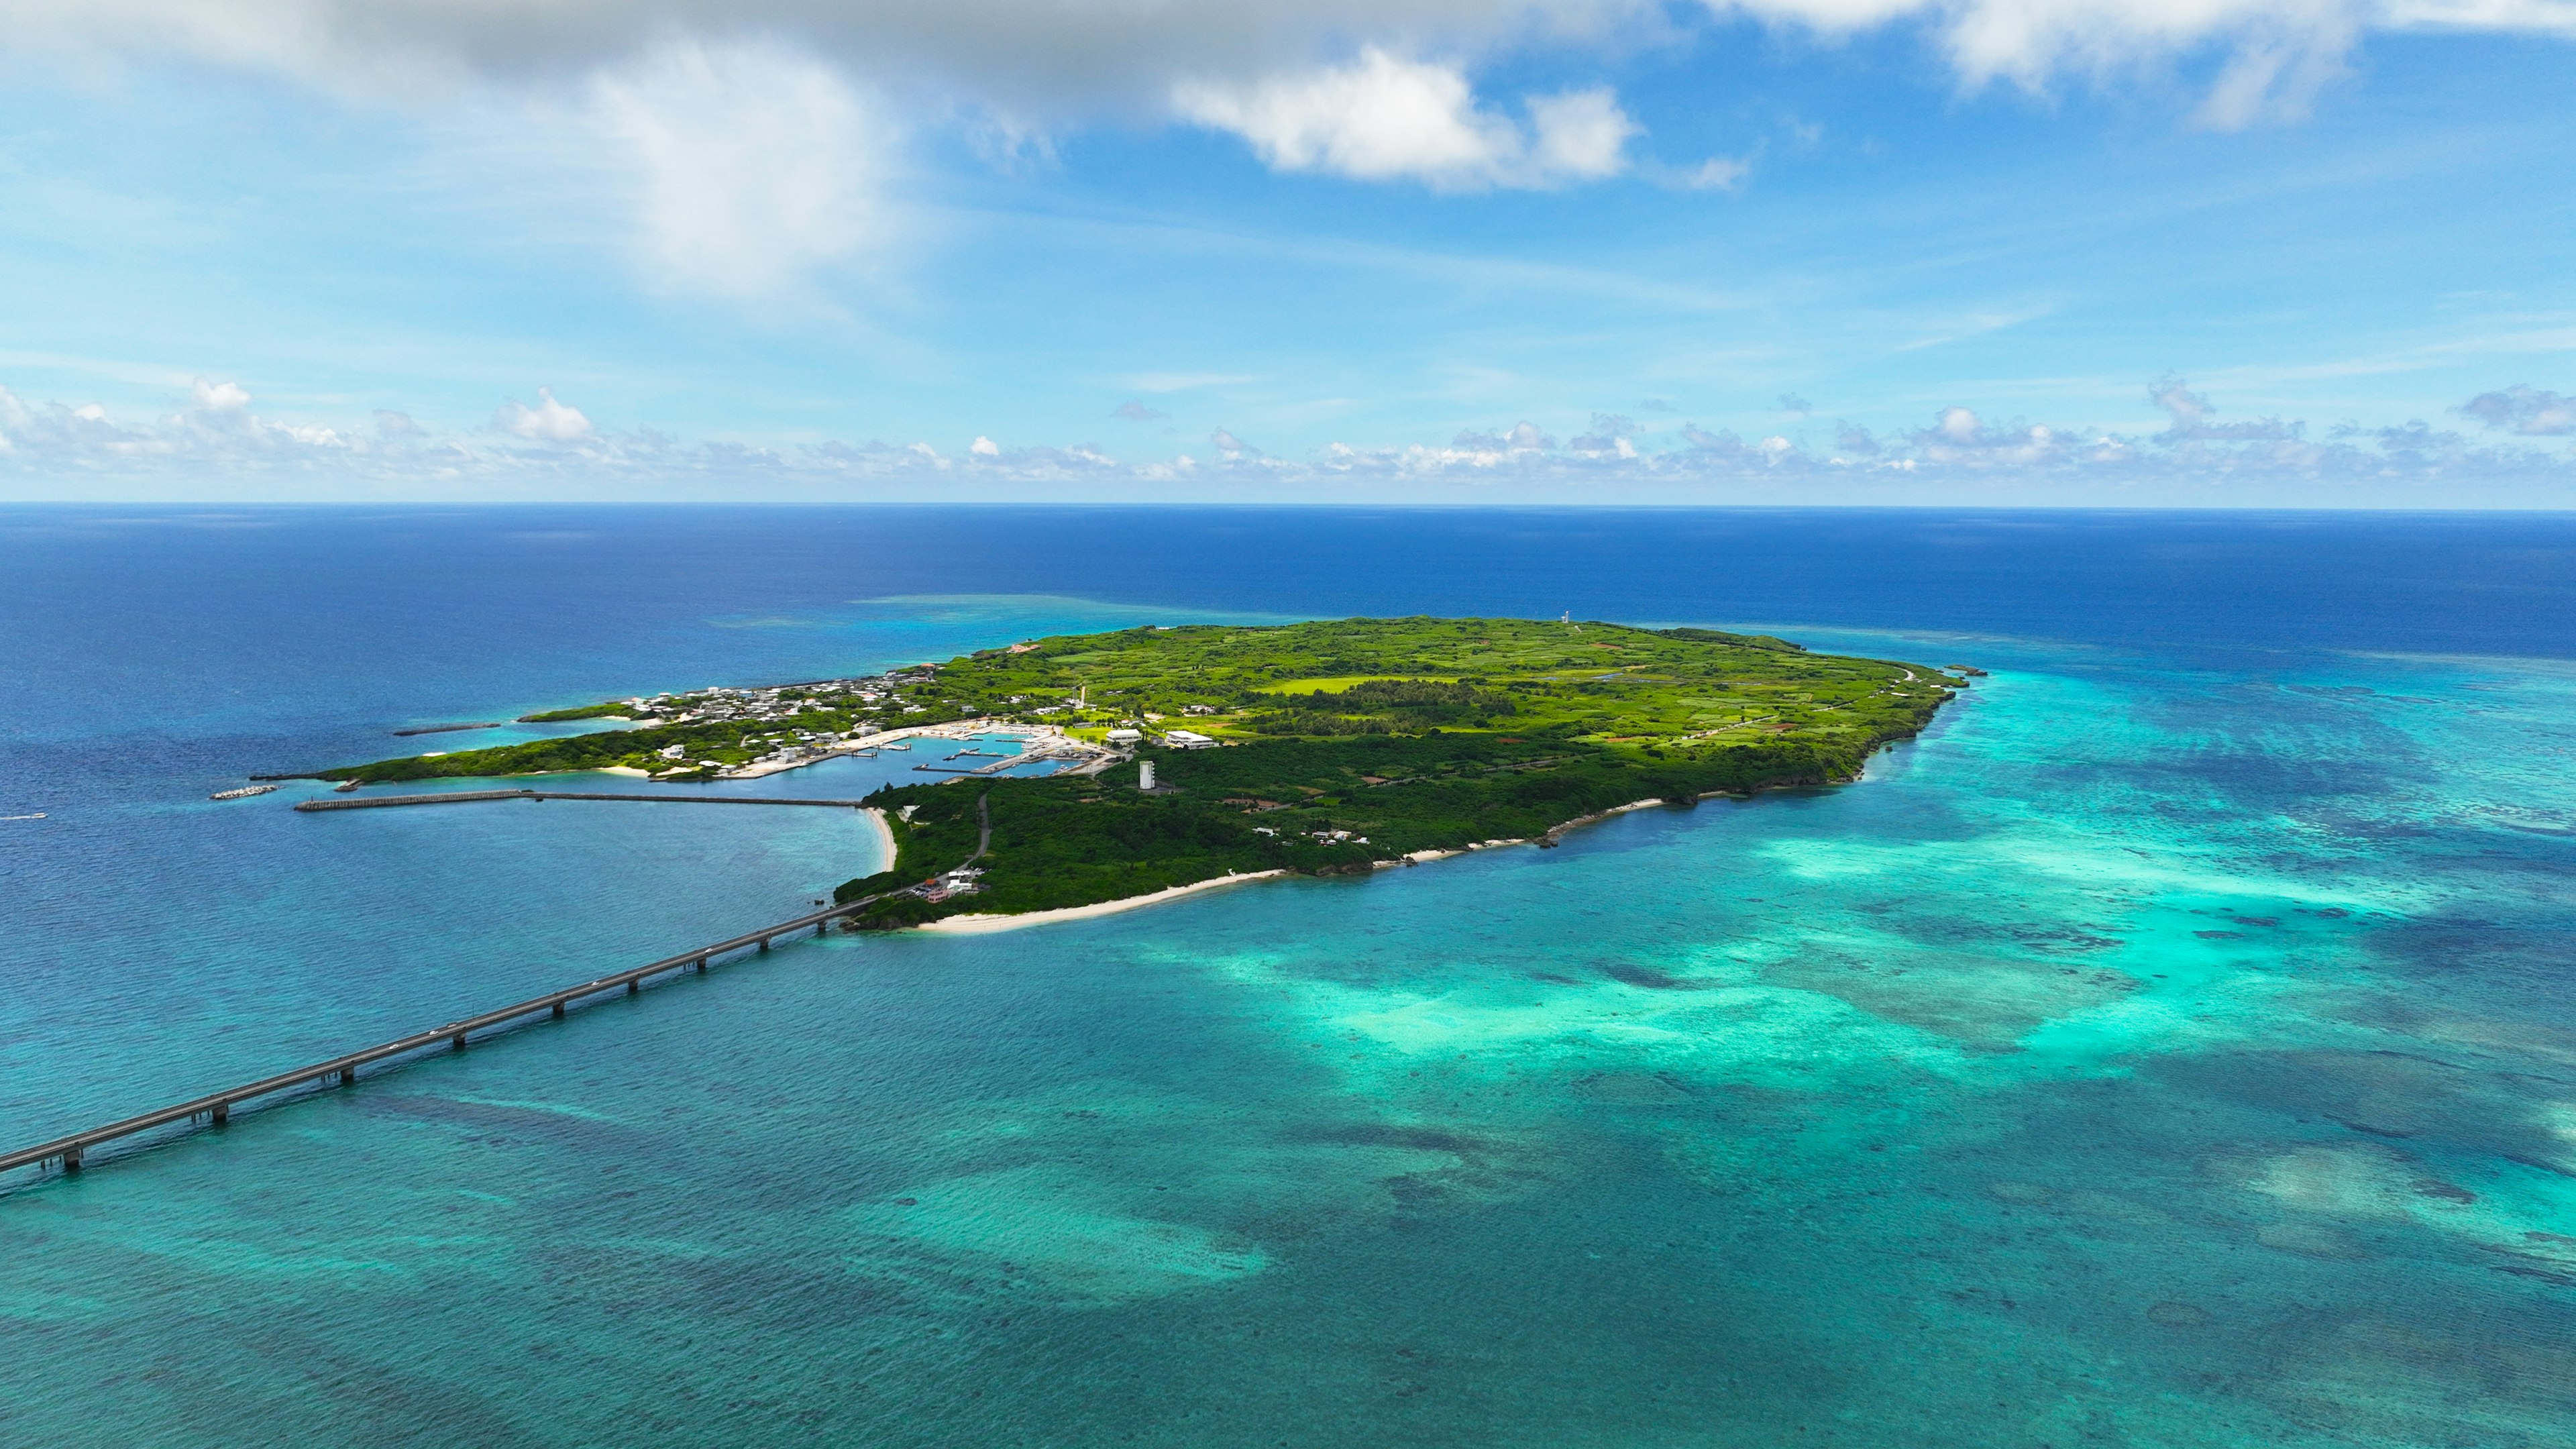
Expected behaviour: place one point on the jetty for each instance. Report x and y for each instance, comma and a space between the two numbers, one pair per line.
459, 797
215, 1109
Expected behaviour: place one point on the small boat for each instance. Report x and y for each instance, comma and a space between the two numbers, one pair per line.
894, 747
344, 787
244, 793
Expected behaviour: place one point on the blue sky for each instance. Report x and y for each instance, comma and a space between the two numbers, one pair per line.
1995, 251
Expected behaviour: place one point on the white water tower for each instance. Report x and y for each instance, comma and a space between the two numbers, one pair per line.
1145, 776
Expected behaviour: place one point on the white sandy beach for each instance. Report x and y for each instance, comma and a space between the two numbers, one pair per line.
885, 834
976, 925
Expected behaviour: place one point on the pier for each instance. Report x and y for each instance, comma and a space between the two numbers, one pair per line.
215, 1108
458, 797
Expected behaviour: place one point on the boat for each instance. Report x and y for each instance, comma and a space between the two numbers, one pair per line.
244, 793
894, 747
344, 787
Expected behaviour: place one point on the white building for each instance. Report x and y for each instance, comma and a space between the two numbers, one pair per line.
1125, 737
1145, 776
1188, 740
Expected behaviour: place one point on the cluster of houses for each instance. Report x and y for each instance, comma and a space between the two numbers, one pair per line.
961, 881
779, 705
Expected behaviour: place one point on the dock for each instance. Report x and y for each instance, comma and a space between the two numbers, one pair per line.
215, 1108
459, 797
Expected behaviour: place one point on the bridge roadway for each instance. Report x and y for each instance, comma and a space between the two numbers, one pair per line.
453, 797
216, 1107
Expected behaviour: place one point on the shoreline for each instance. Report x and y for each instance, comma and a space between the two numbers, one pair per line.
885, 833
977, 925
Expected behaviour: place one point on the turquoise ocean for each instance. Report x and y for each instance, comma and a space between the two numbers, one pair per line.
2174, 1046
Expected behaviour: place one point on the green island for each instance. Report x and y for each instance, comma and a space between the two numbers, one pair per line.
1321, 748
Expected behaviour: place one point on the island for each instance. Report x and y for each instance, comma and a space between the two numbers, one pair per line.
1197, 754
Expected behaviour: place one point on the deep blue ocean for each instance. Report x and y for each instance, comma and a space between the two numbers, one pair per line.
2173, 1047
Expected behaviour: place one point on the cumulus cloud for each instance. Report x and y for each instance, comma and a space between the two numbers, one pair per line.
2525, 410
46, 443
2195, 421
548, 422
760, 141
217, 397
1381, 118
1959, 437
1609, 433
749, 165
1033, 60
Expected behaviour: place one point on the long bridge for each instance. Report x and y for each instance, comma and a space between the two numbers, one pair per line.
215, 1108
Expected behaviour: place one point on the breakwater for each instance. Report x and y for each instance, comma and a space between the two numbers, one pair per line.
459, 797
215, 1108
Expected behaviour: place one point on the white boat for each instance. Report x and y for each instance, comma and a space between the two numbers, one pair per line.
244, 793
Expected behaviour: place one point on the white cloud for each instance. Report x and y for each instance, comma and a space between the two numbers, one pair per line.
1579, 135
1381, 118
1717, 173
2275, 54
1025, 65
548, 422
45, 446
2530, 411
2195, 421
750, 166
217, 397
984, 447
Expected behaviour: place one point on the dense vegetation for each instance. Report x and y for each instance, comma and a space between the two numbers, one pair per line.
1321, 807
1358, 741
